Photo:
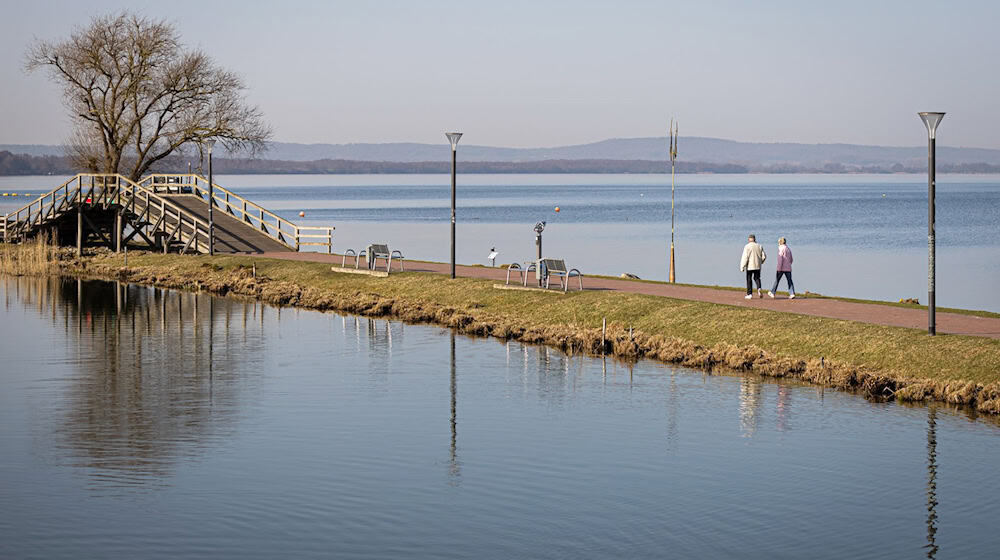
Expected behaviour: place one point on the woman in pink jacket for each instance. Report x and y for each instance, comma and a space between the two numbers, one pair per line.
784, 267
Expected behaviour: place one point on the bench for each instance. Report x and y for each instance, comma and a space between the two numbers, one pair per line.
557, 267
349, 253
377, 251
522, 270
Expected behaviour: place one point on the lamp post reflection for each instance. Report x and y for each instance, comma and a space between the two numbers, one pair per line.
454, 470
931, 546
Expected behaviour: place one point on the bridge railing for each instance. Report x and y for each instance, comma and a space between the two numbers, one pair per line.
274, 226
108, 190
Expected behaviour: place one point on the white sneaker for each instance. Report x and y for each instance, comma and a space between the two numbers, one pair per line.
792, 296
770, 295
749, 296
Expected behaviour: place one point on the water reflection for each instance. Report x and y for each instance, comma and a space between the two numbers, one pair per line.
351, 427
750, 401
153, 381
454, 471
784, 407
932, 547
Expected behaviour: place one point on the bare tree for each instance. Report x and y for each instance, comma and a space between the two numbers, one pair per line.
136, 95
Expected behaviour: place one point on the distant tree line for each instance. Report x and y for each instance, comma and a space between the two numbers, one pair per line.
23, 164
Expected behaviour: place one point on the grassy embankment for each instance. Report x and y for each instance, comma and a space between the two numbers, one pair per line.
879, 362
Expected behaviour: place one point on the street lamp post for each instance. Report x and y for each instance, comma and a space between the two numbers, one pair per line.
673, 160
211, 200
453, 137
931, 121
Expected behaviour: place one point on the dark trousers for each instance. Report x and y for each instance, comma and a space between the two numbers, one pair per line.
752, 275
788, 275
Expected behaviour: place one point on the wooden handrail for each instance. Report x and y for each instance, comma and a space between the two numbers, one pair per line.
104, 189
275, 227
143, 198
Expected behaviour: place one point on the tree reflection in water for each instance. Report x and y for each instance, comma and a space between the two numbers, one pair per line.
155, 380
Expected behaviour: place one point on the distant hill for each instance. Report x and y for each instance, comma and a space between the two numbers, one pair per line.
33, 149
709, 150
696, 152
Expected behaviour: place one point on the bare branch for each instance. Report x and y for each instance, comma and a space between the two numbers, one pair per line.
136, 96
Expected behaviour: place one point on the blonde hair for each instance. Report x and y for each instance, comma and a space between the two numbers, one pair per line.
781, 241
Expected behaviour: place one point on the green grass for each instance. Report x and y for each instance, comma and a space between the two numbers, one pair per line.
908, 353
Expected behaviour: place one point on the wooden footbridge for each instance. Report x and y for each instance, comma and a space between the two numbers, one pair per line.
164, 211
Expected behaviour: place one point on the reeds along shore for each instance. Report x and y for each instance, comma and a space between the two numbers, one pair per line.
619, 341
28, 259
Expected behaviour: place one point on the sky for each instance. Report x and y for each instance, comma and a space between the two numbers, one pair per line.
537, 74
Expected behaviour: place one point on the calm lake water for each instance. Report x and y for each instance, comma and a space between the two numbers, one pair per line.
141, 423
848, 239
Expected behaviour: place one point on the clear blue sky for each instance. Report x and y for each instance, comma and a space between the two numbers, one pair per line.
513, 73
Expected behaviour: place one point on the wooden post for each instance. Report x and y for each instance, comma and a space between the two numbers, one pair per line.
604, 330
79, 227
118, 231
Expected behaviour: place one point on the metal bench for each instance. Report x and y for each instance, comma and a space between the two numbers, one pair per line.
557, 267
350, 253
522, 270
377, 251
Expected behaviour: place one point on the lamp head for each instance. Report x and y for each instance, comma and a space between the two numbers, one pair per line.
931, 121
453, 138
539, 227
209, 143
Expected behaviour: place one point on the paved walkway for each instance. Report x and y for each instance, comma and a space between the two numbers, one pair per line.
950, 323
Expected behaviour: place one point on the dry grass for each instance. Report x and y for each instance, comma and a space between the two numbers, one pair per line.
880, 362
33, 258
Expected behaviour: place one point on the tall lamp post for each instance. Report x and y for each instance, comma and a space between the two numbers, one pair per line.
453, 137
931, 121
209, 143
673, 160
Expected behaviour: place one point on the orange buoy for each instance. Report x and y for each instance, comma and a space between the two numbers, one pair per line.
302, 214
557, 208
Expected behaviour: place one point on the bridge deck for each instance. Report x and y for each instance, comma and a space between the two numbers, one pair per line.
231, 235
167, 211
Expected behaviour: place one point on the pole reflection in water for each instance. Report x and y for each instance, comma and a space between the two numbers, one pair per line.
672, 405
454, 471
932, 503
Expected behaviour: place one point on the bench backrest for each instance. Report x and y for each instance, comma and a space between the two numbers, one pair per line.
554, 265
379, 249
